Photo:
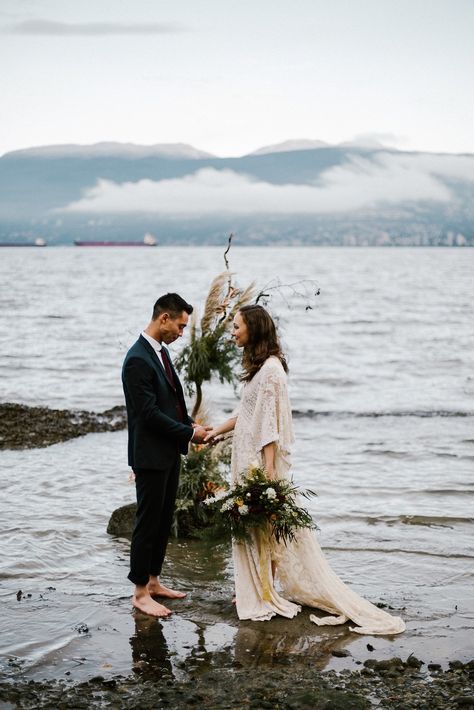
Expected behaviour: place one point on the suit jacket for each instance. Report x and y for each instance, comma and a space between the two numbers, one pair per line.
155, 434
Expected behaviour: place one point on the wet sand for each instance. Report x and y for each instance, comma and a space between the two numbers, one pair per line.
104, 652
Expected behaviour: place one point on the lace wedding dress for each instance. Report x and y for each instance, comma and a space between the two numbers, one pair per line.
304, 574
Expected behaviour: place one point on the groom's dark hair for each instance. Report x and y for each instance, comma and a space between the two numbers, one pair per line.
171, 303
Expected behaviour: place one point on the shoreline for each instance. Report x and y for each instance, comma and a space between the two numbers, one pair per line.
288, 683
26, 427
202, 655
88, 649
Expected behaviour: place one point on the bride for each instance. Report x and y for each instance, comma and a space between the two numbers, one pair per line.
263, 432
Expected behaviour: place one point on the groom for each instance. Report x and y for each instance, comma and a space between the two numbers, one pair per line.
159, 430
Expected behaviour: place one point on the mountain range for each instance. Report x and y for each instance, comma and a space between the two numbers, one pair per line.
299, 191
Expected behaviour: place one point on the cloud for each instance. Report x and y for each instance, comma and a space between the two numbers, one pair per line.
360, 183
91, 29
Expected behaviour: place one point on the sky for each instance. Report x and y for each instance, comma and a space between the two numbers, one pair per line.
230, 76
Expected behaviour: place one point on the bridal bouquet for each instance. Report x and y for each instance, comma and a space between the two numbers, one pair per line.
261, 503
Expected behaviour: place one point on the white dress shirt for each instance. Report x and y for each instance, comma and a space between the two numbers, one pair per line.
155, 345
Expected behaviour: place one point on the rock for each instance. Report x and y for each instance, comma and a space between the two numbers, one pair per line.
23, 427
326, 699
297, 687
413, 662
340, 653
387, 665
122, 520
81, 628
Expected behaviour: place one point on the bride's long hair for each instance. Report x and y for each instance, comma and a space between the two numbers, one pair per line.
262, 341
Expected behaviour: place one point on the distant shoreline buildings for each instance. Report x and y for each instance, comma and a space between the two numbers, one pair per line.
295, 193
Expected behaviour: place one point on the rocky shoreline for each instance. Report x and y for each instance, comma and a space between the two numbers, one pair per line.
264, 673
289, 684
23, 427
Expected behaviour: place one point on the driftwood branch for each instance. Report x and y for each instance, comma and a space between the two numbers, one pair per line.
305, 290
229, 244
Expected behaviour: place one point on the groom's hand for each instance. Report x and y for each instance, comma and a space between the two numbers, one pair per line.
199, 434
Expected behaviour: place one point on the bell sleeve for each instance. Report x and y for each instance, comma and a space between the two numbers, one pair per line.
272, 414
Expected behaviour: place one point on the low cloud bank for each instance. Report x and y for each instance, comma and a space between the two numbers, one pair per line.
385, 179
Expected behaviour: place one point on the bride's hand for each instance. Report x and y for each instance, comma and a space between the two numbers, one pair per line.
212, 437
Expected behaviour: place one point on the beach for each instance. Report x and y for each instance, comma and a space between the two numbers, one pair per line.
83, 651
381, 387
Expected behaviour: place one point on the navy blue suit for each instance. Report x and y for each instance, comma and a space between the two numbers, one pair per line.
159, 430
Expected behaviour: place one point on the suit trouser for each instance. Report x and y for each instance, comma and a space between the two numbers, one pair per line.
156, 496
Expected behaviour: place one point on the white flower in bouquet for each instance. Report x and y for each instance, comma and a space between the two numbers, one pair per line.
243, 509
217, 495
270, 493
227, 505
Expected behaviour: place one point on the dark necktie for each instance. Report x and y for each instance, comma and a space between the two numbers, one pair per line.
172, 381
167, 366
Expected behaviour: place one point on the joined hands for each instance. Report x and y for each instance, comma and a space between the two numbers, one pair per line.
213, 437
200, 434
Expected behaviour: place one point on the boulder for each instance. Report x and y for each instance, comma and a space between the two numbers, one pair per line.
122, 521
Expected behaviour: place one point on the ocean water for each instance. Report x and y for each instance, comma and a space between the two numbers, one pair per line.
382, 388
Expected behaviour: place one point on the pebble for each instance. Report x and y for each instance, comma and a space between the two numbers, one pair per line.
390, 683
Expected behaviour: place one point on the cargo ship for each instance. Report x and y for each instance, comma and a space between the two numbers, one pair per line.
148, 241
37, 243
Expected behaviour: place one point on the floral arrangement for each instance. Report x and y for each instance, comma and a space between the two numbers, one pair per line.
261, 503
202, 474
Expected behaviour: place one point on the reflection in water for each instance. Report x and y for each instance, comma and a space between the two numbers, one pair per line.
186, 641
171, 648
267, 643
176, 648
150, 651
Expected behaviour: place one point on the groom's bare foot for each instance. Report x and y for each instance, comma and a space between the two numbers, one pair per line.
147, 605
156, 589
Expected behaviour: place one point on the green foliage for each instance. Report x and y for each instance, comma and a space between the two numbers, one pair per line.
212, 353
202, 474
